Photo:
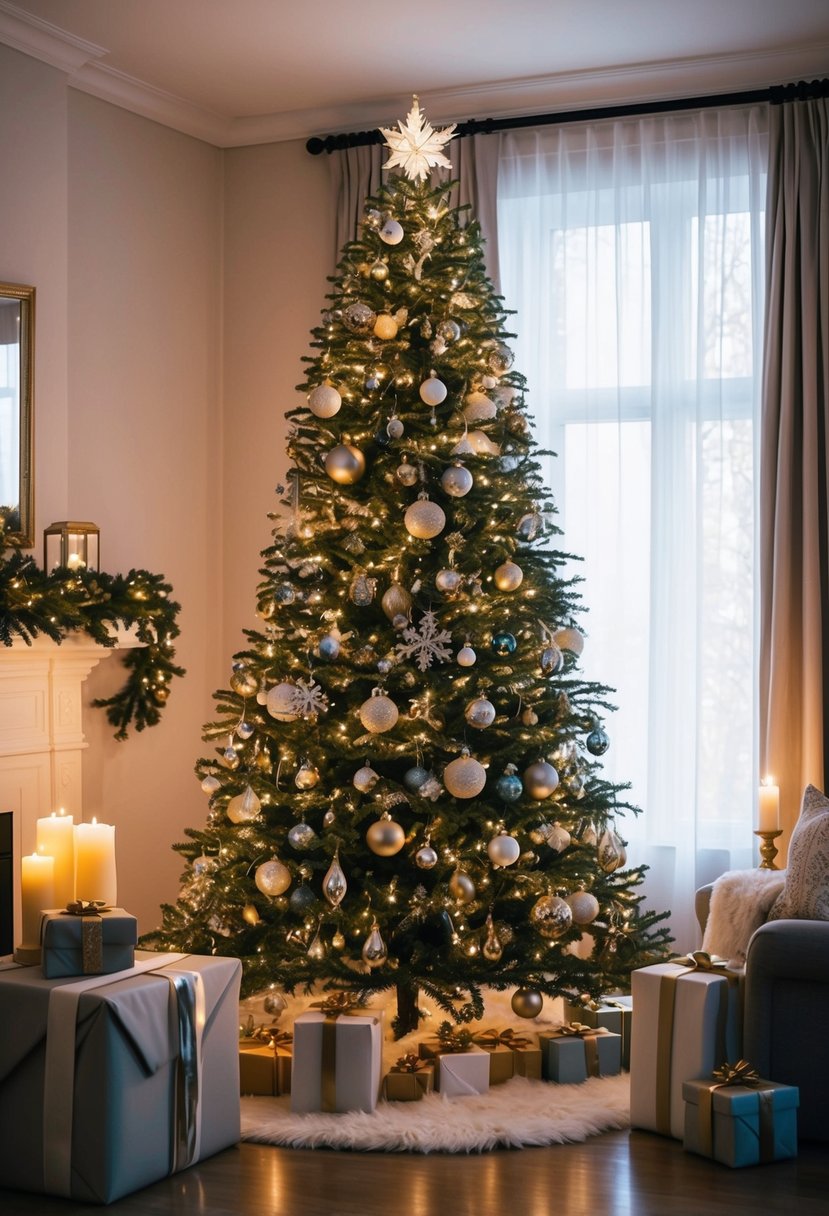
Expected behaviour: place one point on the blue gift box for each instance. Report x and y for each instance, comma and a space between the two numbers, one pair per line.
744, 1125
95, 944
615, 1013
570, 1059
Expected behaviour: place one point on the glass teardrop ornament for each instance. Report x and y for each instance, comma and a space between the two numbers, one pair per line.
374, 948
492, 948
334, 885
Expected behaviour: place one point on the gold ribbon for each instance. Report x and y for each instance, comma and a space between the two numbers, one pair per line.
339, 1004
697, 960
490, 1039
87, 907
409, 1063
741, 1073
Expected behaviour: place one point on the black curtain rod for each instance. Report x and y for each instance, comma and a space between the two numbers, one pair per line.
776, 94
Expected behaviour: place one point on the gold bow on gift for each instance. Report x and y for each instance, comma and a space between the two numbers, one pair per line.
579, 1030
502, 1038
337, 1003
87, 907
452, 1040
741, 1073
409, 1063
701, 960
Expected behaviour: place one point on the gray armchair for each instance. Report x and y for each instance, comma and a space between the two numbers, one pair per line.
785, 1013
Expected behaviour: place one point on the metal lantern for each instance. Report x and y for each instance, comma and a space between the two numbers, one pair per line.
77, 546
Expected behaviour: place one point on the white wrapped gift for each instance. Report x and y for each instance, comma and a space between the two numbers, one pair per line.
462, 1073
687, 1024
338, 1058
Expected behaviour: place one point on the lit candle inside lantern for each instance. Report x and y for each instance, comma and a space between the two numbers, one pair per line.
75, 562
56, 838
95, 862
37, 891
769, 817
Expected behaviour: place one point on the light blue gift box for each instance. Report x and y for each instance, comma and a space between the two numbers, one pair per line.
750, 1125
565, 1058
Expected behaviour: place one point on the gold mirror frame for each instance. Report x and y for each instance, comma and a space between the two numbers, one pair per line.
23, 533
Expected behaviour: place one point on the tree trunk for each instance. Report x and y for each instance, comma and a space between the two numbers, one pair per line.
408, 1016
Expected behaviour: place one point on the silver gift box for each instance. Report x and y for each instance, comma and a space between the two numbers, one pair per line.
126, 1069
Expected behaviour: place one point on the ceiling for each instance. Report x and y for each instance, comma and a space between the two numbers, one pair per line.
252, 71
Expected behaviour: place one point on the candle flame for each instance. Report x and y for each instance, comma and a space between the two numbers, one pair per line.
767, 781
94, 820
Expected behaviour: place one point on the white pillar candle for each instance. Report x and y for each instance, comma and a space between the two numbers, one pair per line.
37, 891
95, 862
56, 838
769, 814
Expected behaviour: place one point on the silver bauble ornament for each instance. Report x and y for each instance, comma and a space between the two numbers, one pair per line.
551, 916
584, 907
365, 779
244, 730
379, 713
449, 330
611, 849
307, 776
406, 474
274, 1005
424, 519
503, 850
394, 428
492, 947
243, 681
281, 702
500, 359
526, 1003
432, 390
552, 660
324, 401
480, 713
414, 777
301, 836
345, 464
529, 525
456, 481
358, 317
597, 742
385, 837
329, 646
508, 576
334, 885
569, 639
540, 780
448, 581
244, 807
464, 777
204, 865
557, 838
210, 784
466, 656
396, 600
426, 857
272, 878
284, 594
230, 758
374, 951
461, 887
391, 233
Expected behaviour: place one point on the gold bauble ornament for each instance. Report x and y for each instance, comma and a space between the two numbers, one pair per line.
345, 464
540, 780
307, 776
379, 271
424, 519
338, 941
492, 947
243, 682
281, 701
551, 916
464, 777
385, 837
272, 877
508, 576
584, 907
264, 762
385, 327
244, 807
324, 401
461, 887
379, 713
526, 1003
396, 601
569, 639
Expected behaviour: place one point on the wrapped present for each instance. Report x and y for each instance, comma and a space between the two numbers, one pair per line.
687, 1024
110, 1083
510, 1055
462, 1068
574, 1051
615, 1013
87, 939
265, 1058
338, 1047
739, 1119
408, 1079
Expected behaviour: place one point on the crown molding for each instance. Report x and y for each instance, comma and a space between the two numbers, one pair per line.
632, 83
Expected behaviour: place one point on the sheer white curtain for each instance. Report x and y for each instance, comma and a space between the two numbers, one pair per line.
633, 253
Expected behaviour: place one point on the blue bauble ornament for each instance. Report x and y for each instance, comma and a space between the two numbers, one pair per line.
504, 644
509, 787
301, 899
329, 646
597, 742
414, 777
382, 438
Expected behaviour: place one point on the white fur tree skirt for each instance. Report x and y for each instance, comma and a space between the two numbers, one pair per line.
518, 1114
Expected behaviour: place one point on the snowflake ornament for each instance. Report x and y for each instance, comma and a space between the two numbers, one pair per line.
426, 643
308, 700
416, 146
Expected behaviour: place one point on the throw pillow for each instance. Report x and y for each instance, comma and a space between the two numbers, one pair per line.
806, 893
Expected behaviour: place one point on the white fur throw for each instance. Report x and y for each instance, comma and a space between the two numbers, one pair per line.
740, 902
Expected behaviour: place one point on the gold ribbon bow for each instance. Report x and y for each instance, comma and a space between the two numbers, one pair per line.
741, 1073
588, 1035
277, 1039
579, 1030
87, 907
452, 1040
337, 1003
701, 960
409, 1063
502, 1038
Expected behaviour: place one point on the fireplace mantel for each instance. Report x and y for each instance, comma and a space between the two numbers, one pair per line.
41, 729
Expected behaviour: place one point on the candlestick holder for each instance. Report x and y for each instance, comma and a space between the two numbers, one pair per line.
27, 956
768, 850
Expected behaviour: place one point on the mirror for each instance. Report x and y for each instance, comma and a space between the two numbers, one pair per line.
17, 337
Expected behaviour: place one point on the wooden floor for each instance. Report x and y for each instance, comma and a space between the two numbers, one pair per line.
618, 1174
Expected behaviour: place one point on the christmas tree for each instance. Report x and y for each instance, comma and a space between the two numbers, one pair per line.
406, 791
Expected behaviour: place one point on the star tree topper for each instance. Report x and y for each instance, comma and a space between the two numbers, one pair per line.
417, 147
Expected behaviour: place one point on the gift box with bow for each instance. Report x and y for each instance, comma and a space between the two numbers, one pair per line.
615, 1013
408, 1079
510, 1055
265, 1058
574, 1051
87, 939
739, 1119
462, 1067
338, 1047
